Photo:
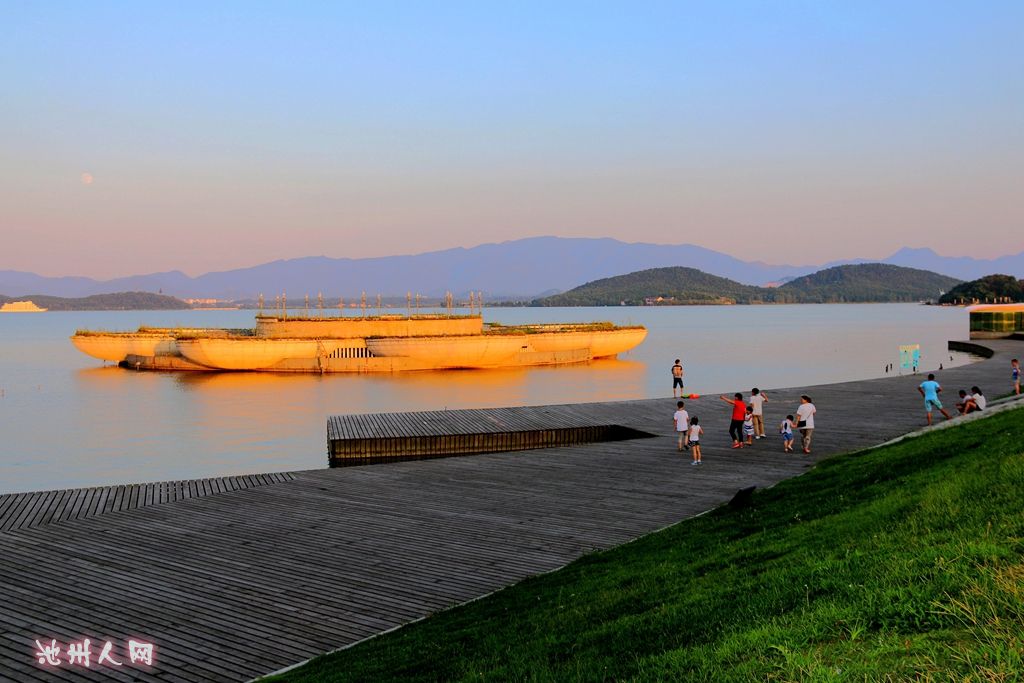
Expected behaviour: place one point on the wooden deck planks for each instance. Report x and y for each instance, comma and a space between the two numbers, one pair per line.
212, 569
27, 510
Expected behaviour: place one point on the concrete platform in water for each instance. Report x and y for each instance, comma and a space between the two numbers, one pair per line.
373, 344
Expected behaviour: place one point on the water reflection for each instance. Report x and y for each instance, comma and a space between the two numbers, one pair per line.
604, 380
67, 420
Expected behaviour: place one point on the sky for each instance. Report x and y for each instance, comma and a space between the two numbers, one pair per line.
199, 136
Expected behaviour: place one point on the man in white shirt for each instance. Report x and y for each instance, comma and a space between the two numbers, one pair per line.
805, 421
757, 401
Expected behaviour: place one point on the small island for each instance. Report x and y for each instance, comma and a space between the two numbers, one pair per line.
118, 301
675, 286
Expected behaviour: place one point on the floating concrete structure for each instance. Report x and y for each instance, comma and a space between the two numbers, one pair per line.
374, 344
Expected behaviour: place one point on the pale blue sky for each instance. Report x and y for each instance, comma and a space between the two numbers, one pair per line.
219, 135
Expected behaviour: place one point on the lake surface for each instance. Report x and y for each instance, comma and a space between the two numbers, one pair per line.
66, 420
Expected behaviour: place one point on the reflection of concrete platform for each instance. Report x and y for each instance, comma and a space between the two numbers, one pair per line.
239, 583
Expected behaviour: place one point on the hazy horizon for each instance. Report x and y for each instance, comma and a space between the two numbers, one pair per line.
194, 137
250, 265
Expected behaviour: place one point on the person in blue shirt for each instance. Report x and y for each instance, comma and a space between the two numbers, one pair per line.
930, 390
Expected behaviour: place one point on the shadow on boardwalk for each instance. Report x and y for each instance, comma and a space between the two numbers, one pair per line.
232, 581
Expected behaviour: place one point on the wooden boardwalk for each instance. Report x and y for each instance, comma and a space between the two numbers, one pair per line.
234, 584
24, 510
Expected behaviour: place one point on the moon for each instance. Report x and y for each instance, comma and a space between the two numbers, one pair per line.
87, 178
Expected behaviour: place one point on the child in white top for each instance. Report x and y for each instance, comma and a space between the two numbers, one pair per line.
748, 425
695, 431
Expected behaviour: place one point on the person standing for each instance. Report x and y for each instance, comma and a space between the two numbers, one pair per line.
805, 421
694, 438
677, 379
786, 430
739, 413
748, 427
930, 389
681, 419
757, 401
1015, 375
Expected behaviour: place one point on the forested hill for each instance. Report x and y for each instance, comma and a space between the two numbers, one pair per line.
119, 301
676, 285
864, 283
996, 289
869, 282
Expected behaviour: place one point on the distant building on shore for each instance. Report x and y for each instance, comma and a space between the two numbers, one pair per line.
20, 307
212, 304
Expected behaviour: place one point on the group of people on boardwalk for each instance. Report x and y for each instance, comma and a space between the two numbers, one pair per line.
747, 419
972, 402
746, 424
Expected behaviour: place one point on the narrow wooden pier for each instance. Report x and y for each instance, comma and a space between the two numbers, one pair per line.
388, 437
244, 580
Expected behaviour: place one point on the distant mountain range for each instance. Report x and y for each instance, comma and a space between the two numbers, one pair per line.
857, 283
522, 268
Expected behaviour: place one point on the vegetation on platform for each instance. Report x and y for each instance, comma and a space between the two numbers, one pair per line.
898, 563
988, 289
861, 283
600, 326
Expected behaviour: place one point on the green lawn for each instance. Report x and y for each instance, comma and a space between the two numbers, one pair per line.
905, 562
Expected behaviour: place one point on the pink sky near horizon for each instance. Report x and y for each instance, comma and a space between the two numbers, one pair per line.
140, 139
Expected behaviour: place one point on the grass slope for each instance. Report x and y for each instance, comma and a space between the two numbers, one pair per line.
904, 562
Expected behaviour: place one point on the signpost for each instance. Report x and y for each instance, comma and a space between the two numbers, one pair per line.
910, 357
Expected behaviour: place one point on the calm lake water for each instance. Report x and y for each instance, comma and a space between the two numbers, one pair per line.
66, 420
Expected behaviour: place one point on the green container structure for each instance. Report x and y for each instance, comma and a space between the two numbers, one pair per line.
990, 322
